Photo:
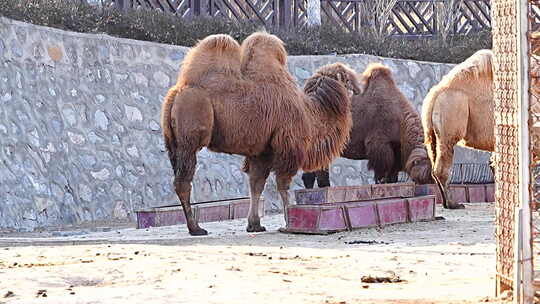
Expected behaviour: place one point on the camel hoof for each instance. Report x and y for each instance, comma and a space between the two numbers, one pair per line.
255, 228
198, 232
456, 206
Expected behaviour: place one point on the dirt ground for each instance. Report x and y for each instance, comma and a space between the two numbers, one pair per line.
444, 261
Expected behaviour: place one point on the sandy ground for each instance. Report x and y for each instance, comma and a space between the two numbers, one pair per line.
444, 261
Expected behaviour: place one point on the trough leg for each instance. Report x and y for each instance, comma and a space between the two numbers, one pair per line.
259, 169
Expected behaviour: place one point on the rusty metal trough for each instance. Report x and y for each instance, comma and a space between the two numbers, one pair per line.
462, 193
335, 209
332, 209
212, 211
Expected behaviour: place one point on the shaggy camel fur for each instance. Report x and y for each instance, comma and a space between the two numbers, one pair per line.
459, 110
387, 131
242, 100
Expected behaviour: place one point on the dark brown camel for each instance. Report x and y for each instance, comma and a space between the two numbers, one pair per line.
387, 131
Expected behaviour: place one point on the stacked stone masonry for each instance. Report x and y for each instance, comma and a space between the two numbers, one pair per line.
80, 138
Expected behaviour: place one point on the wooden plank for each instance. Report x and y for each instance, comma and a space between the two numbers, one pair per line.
422, 20
231, 9
169, 5
329, 15
340, 16
395, 28
485, 13
401, 20
476, 17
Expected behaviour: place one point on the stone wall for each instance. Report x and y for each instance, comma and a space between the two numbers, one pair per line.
80, 138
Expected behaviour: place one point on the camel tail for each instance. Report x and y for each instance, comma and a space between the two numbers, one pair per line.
430, 139
168, 133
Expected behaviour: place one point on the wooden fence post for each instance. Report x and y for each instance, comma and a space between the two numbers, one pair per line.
285, 10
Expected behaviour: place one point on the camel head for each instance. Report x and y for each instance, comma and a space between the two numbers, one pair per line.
418, 166
261, 50
343, 74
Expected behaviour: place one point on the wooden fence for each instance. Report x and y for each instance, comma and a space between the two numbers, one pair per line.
406, 18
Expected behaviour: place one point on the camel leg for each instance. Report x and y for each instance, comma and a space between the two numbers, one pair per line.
450, 117
184, 172
192, 131
283, 184
323, 178
380, 156
392, 177
309, 179
441, 172
259, 169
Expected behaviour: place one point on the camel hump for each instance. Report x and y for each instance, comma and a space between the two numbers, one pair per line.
376, 69
261, 48
373, 72
215, 54
219, 43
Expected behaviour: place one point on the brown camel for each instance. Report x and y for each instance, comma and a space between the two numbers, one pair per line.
387, 131
459, 110
242, 100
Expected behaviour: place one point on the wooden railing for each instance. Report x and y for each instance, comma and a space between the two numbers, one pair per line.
407, 18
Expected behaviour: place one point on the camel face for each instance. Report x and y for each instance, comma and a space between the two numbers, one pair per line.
345, 75
419, 167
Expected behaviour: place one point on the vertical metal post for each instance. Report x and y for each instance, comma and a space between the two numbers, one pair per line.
435, 18
119, 4
518, 269
524, 287
196, 7
285, 10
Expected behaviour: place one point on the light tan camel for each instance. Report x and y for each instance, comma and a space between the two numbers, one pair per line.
459, 110
242, 100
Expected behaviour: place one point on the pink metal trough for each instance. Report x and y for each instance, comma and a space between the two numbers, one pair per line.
462, 193
212, 211
344, 194
336, 217
334, 209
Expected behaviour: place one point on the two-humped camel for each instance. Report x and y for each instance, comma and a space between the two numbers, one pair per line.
242, 100
387, 131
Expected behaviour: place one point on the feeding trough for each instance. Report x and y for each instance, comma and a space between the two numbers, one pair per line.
335, 209
211, 211
461, 193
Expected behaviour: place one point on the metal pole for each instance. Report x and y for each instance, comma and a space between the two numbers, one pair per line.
518, 245
526, 288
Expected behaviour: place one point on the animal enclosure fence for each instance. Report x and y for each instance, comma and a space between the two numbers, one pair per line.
517, 117
404, 18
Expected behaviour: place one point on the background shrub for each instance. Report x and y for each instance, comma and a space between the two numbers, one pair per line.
153, 25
